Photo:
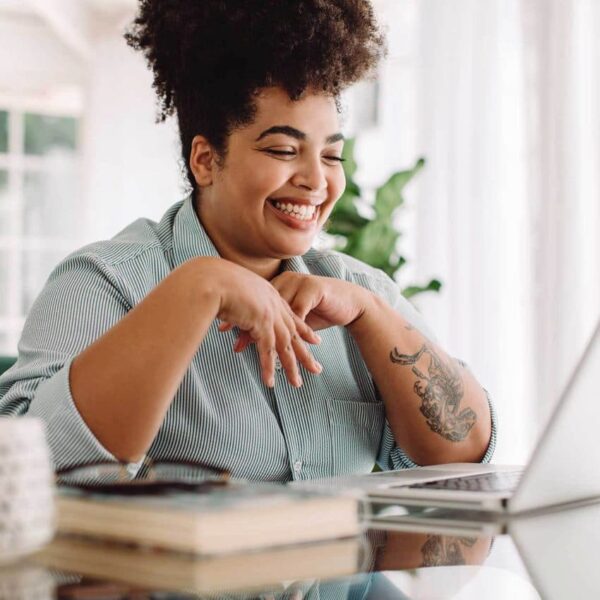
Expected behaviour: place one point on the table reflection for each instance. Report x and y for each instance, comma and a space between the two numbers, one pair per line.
338, 569
558, 549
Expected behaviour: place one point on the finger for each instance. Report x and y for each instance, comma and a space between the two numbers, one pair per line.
305, 331
304, 355
266, 353
286, 287
243, 341
303, 302
294, 322
287, 356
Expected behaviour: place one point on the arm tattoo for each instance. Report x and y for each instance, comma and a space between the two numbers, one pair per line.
441, 551
441, 394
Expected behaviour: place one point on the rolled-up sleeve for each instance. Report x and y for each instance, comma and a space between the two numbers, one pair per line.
393, 458
80, 302
69, 438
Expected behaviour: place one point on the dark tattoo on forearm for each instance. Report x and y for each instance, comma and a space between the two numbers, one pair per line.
441, 551
441, 394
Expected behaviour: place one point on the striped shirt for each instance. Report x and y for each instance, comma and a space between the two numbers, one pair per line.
222, 414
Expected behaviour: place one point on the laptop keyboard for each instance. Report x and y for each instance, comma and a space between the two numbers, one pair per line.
488, 482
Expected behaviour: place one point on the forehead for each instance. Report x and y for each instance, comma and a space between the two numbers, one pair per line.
314, 114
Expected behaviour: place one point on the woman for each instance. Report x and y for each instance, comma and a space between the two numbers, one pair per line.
187, 339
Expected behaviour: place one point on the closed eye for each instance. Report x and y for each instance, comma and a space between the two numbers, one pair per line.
288, 153
281, 152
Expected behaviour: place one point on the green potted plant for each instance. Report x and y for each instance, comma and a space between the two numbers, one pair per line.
373, 239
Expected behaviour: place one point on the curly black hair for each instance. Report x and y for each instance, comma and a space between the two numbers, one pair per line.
211, 57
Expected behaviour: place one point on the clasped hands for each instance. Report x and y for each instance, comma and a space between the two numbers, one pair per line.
307, 304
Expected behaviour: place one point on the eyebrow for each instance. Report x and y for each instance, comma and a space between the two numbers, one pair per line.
296, 133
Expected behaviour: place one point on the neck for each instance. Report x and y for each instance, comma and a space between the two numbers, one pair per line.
267, 268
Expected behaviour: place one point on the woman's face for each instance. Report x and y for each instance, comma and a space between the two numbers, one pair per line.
280, 180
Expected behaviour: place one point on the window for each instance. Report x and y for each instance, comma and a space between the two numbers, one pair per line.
39, 209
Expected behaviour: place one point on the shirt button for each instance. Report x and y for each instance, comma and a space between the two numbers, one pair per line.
298, 466
277, 363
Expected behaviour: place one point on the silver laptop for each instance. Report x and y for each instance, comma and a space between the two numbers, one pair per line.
564, 467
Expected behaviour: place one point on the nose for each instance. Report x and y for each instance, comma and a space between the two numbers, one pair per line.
310, 174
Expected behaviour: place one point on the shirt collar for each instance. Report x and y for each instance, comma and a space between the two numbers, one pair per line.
190, 240
189, 236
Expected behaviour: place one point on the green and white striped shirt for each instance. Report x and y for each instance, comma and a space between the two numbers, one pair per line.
222, 414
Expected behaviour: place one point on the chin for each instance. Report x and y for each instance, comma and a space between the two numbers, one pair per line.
288, 250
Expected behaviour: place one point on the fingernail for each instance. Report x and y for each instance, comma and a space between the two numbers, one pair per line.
298, 381
272, 382
319, 366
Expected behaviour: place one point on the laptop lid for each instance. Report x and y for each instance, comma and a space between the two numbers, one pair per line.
565, 464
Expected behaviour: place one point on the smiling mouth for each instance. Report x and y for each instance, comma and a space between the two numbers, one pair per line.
300, 212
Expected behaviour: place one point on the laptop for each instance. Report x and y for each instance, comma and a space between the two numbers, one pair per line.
563, 468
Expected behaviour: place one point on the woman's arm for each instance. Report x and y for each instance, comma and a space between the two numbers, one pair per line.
123, 383
436, 409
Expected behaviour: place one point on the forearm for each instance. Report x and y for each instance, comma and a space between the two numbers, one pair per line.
123, 384
436, 409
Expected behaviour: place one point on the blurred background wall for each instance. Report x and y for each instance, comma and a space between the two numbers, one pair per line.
500, 97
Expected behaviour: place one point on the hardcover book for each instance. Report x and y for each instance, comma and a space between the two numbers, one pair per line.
211, 519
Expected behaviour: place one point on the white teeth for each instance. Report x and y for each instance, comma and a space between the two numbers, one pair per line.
300, 212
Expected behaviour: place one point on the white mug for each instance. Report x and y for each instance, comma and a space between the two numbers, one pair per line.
27, 506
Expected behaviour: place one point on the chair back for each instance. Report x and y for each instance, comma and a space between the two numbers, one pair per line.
6, 362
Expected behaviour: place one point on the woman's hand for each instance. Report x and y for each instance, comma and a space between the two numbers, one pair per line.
320, 302
255, 306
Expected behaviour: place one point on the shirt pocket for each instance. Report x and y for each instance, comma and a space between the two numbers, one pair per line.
356, 430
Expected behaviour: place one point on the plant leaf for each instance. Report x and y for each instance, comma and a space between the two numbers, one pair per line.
389, 196
345, 218
374, 244
435, 285
350, 165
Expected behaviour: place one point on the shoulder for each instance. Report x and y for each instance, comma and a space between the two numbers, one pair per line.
135, 259
140, 238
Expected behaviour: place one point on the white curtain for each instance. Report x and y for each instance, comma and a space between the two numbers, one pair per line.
508, 207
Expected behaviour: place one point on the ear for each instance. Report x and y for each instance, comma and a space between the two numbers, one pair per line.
201, 161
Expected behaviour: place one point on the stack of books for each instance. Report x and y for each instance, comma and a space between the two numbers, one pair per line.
210, 537
26, 488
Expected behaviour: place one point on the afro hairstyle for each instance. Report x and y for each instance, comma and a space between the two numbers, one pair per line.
210, 58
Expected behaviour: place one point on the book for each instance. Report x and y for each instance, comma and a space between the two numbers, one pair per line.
211, 520
165, 571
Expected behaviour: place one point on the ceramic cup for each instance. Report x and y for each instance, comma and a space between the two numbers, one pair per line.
27, 509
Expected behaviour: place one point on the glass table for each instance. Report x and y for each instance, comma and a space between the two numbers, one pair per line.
424, 555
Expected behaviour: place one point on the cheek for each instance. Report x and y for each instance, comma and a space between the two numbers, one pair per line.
337, 185
253, 185
258, 183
